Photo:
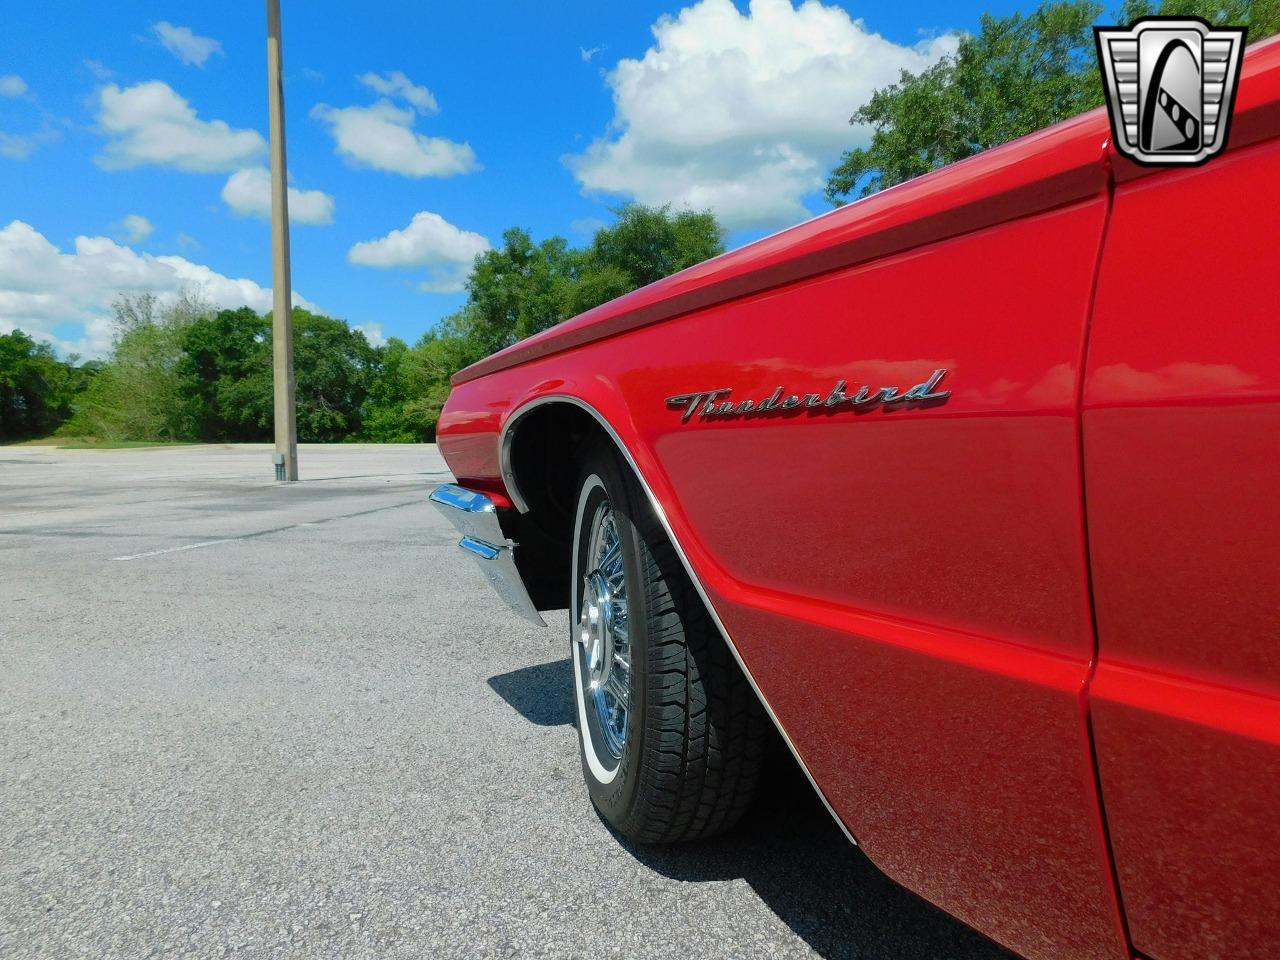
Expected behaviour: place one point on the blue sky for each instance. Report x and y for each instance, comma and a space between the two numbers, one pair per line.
131, 147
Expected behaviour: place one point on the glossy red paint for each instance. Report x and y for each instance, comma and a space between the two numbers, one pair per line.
1046, 169
1182, 441
911, 593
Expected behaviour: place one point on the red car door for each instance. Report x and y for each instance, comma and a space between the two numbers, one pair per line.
1182, 455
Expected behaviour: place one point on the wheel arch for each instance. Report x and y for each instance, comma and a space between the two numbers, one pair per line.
540, 453
559, 418
560, 421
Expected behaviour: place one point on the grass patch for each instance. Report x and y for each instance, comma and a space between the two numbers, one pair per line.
121, 444
93, 443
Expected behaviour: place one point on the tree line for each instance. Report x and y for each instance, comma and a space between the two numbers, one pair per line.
38, 390
183, 371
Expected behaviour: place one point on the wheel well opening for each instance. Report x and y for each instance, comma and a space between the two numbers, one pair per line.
546, 453
548, 446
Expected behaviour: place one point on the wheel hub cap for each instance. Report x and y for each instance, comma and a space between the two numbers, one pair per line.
595, 627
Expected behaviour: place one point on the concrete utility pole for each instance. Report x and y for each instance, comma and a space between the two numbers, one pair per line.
286, 455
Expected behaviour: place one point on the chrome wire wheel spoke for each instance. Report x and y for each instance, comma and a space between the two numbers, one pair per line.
619, 688
622, 642
610, 563
604, 633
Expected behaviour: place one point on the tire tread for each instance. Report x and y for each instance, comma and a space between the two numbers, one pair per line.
705, 732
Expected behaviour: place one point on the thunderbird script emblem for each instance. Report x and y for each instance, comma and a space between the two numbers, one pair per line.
716, 404
1170, 84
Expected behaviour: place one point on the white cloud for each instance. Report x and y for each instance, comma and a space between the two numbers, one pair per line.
428, 241
99, 69
372, 332
42, 288
152, 124
12, 85
19, 146
743, 113
396, 84
135, 228
588, 52
191, 48
381, 136
248, 193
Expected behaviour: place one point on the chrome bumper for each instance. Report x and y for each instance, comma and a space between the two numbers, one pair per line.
483, 541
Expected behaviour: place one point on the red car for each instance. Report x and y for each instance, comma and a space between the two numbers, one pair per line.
970, 488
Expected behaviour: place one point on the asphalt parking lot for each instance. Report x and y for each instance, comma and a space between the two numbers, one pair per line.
240, 717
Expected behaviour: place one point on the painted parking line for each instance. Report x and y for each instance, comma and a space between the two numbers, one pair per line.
263, 533
185, 546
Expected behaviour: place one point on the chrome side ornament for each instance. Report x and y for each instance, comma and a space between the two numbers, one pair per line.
716, 405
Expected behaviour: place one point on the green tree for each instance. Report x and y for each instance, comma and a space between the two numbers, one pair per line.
335, 367
225, 375
515, 290
521, 288
1262, 17
136, 395
411, 386
37, 390
385, 420
185, 372
644, 245
436, 357
1017, 74
412, 383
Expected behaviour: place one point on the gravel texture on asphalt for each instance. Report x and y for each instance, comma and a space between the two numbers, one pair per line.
240, 717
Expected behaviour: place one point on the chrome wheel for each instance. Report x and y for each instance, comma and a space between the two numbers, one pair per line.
670, 734
603, 635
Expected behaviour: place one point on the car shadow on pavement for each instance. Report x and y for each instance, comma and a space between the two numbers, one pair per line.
542, 694
791, 853
801, 865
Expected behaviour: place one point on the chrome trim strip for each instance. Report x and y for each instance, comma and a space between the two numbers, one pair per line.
462, 498
508, 435
476, 518
508, 476
474, 514
481, 549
